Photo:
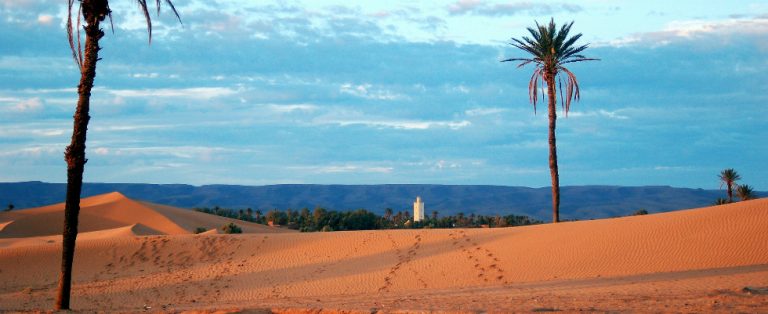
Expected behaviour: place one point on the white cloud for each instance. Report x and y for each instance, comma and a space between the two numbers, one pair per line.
478, 7
185, 152
442, 164
368, 92
45, 19
101, 151
292, 108
402, 124
131, 127
195, 92
32, 104
346, 168
145, 75
484, 111
459, 89
36, 151
615, 115
691, 29
24, 130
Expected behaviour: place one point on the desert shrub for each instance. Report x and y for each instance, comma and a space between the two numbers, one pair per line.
640, 212
199, 230
231, 228
721, 201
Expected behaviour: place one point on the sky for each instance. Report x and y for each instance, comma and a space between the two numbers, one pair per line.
263, 92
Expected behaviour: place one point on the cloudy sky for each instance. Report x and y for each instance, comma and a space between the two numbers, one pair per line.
262, 92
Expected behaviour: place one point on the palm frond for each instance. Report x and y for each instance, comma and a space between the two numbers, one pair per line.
571, 52
173, 8
533, 87
525, 47
572, 89
71, 35
579, 60
145, 11
561, 37
551, 48
535, 32
79, 46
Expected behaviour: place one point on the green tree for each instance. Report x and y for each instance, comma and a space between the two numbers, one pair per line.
745, 192
729, 178
231, 228
551, 49
93, 12
319, 216
249, 211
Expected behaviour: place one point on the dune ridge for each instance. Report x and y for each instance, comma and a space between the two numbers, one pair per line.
711, 259
114, 210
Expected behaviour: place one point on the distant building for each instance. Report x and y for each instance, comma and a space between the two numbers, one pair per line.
418, 210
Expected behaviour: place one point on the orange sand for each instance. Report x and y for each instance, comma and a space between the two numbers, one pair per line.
697, 260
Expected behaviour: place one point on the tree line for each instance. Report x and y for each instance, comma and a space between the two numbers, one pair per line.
728, 177
322, 219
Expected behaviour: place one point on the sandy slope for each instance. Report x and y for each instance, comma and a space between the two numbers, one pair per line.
693, 260
114, 210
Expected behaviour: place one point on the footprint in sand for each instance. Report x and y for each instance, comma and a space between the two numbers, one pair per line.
403, 260
484, 261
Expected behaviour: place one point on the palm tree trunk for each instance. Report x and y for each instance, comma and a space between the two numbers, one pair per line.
730, 192
75, 157
553, 148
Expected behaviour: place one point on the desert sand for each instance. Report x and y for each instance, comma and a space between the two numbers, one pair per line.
135, 256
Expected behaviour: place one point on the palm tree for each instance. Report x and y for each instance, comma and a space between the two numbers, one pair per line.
729, 178
745, 192
93, 12
551, 49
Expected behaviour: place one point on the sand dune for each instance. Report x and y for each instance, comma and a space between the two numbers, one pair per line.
702, 260
114, 210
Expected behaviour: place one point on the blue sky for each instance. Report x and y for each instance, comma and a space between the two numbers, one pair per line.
262, 92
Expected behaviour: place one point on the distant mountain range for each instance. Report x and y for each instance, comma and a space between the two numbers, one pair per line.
578, 202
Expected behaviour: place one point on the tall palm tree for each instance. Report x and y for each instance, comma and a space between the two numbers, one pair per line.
92, 13
745, 192
729, 178
550, 50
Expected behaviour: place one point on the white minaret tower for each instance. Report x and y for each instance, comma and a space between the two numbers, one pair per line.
418, 210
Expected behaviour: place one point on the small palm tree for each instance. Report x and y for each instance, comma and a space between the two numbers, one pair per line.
93, 12
729, 178
551, 49
745, 192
